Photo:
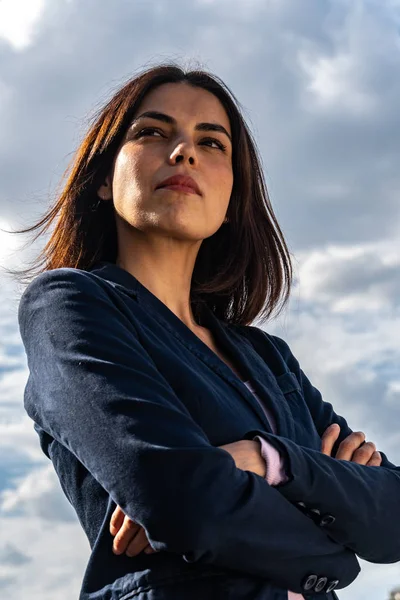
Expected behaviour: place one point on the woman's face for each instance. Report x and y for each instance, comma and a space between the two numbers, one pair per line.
148, 155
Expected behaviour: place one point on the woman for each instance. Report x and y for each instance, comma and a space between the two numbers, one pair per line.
187, 440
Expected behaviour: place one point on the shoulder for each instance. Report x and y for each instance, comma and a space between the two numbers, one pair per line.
59, 292
259, 336
65, 281
64, 276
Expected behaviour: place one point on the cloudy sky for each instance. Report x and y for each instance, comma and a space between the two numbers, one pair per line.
319, 81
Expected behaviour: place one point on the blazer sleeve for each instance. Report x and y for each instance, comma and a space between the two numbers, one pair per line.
94, 388
362, 503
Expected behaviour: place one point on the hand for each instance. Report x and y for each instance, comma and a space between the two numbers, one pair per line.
131, 537
353, 448
247, 456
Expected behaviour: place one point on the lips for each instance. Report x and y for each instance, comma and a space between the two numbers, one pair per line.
180, 180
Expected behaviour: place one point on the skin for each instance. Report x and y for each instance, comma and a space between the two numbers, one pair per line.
160, 233
353, 448
131, 537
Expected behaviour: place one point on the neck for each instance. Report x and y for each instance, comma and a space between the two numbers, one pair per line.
166, 275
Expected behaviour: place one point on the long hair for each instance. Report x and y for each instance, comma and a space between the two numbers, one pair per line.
242, 272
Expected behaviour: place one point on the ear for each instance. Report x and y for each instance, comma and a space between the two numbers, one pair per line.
105, 190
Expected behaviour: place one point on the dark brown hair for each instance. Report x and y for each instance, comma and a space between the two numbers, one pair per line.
242, 272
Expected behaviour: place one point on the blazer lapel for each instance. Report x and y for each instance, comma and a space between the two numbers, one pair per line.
258, 371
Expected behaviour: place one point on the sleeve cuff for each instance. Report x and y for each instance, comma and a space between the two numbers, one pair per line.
275, 468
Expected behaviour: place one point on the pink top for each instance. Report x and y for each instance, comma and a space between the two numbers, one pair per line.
275, 472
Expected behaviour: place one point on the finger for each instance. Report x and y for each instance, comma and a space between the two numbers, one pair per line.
125, 535
349, 445
375, 460
117, 518
149, 550
329, 438
138, 544
364, 453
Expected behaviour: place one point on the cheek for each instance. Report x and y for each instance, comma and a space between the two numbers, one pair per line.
130, 174
124, 173
224, 181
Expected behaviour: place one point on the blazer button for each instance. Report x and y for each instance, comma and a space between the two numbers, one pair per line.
309, 582
315, 511
321, 583
301, 506
327, 520
331, 585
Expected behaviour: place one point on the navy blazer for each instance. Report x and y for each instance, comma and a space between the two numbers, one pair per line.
130, 406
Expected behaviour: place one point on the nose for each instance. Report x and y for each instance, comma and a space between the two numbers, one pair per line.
183, 151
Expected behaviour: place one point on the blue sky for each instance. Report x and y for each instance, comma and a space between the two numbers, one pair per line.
319, 81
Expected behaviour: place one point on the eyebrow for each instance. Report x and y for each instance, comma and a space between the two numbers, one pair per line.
152, 114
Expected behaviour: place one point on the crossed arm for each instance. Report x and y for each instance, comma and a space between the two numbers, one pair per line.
363, 500
129, 537
76, 339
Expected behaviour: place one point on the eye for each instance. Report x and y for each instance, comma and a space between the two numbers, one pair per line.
146, 131
220, 145
149, 130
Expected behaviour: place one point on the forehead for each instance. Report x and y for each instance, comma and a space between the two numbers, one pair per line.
184, 101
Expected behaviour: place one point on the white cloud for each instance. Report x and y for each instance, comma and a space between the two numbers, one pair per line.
10, 555
18, 20
38, 495
9, 242
19, 439
333, 85
393, 393
375, 583
320, 88
360, 278
61, 547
